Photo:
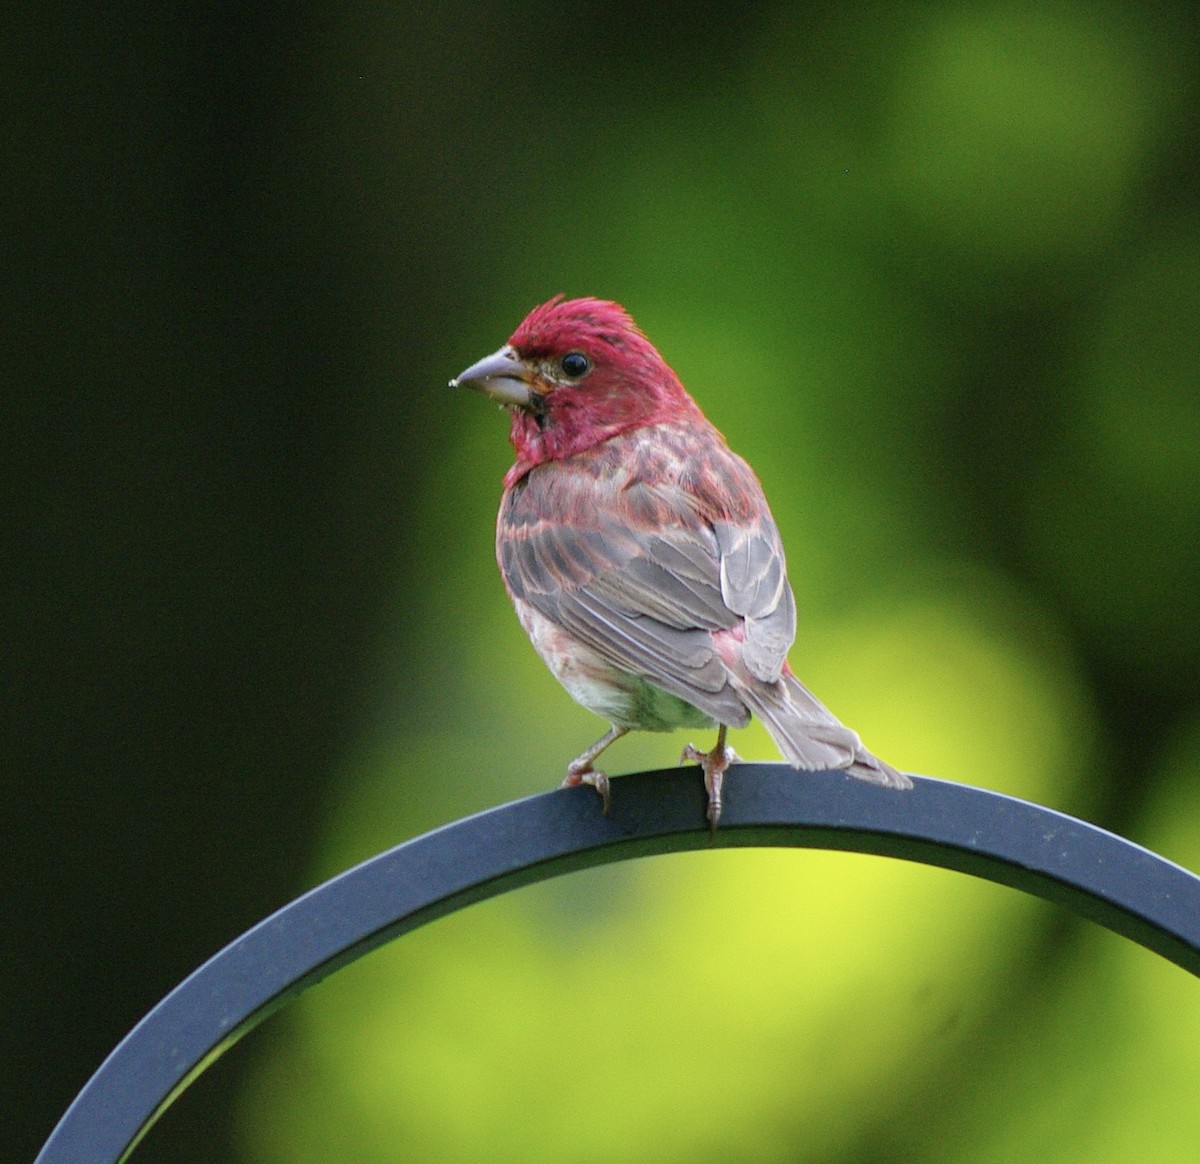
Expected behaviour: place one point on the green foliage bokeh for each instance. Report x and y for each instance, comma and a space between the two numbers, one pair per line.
918, 265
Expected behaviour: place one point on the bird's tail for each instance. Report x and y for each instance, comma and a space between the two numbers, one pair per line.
810, 736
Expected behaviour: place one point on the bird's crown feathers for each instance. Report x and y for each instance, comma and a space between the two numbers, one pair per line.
562, 323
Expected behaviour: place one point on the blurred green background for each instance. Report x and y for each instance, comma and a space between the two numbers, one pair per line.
935, 271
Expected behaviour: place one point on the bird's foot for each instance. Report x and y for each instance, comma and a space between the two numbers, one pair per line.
714, 764
580, 770
578, 773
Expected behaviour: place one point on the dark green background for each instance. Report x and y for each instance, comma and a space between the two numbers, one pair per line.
246, 248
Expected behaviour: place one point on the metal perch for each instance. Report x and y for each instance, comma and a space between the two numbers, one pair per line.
1106, 878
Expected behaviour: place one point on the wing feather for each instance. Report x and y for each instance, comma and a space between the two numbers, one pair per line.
642, 564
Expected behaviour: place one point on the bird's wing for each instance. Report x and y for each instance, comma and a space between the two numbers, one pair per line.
643, 552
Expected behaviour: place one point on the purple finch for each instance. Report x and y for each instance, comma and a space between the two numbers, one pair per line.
640, 554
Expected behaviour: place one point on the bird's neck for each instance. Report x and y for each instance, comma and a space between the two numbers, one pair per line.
559, 434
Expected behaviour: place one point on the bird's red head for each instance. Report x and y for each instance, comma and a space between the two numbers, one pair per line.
573, 374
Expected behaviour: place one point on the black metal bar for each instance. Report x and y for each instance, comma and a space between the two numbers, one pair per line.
1095, 873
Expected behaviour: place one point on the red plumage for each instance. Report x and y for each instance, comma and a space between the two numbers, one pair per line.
639, 550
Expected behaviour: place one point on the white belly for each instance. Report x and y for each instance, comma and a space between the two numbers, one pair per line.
619, 696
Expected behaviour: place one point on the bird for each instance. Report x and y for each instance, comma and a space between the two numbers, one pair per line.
641, 555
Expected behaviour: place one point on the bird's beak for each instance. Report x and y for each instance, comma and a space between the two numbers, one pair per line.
503, 376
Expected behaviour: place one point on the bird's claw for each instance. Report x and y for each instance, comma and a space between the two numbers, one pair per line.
714, 764
589, 775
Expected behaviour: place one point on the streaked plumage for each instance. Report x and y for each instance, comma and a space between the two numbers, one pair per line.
639, 550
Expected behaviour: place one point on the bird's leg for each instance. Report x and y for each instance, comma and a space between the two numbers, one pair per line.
580, 770
714, 764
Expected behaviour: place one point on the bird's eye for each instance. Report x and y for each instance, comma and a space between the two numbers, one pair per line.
575, 364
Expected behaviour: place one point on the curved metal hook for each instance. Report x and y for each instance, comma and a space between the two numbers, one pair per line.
1106, 878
